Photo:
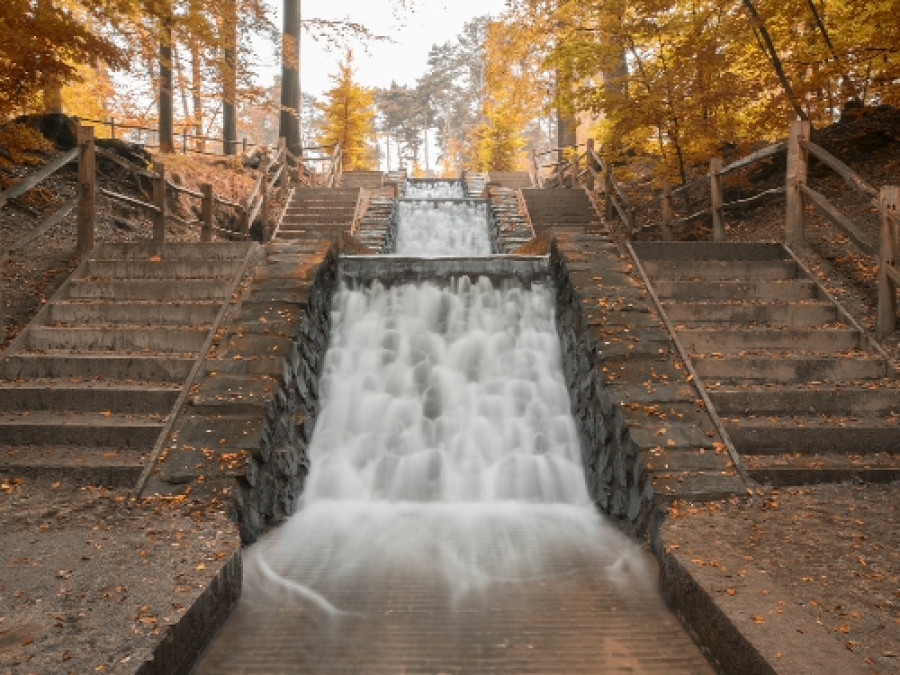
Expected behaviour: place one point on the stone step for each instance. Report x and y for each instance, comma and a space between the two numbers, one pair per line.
785, 470
747, 313
85, 465
150, 289
86, 429
86, 396
162, 269
821, 435
149, 368
764, 289
735, 339
788, 368
719, 270
134, 313
873, 399
116, 338
708, 251
172, 251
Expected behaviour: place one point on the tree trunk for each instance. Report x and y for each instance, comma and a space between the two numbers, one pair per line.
166, 116
289, 119
196, 79
229, 80
775, 61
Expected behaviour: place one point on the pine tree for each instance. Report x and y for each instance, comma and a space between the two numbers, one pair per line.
348, 112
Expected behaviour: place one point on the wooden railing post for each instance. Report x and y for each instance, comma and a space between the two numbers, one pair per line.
589, 164
666, 212
159, 200
184, 141
715, 198
795, 176
87, 188
608, 190
889, 207
206, 212
265, 224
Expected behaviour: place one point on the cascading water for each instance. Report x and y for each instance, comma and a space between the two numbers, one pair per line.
442, 227
446, 500
434, 189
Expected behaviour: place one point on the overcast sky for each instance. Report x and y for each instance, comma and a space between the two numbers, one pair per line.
414, 32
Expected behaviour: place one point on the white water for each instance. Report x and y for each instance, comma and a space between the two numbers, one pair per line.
434, 189
444, 449
430, 229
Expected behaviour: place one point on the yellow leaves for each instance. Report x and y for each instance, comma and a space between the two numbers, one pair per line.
730, 591
758, 618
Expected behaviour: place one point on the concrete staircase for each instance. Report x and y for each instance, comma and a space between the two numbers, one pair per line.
560, 208
510, 179
87, 388
374, 224
514, 228
474, 183
362, 179
323, 210
805, 397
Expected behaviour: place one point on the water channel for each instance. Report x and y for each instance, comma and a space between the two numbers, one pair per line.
445, 524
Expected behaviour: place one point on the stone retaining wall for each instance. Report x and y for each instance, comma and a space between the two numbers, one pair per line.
268, 491
612, 461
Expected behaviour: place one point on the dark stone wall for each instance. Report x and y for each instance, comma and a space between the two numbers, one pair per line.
269, 488
613, 465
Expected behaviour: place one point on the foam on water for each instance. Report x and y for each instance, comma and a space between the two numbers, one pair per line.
444, 446
432, 228
433, 189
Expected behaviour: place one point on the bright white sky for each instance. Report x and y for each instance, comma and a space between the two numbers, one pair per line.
414, 32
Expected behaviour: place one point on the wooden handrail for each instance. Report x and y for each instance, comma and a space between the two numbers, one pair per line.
33, 179
850, 177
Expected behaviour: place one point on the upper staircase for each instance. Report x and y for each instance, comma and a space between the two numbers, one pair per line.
560, 208
324, 210
805, 396
510, 179
362, 179
87, 388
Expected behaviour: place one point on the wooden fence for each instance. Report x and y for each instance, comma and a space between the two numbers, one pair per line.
275, 171
589, 170
199, 141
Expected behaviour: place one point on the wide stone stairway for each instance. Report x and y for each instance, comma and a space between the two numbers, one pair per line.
804, 395
89, 386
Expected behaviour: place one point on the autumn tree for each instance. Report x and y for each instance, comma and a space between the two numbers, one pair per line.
348, 118
43, 44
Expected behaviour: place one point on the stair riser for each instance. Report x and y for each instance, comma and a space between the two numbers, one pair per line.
173, 251
736, 270
116, 339
782, 315
769, 402
82, 436
783, 477
138, 314
832, 440
124, 368
744, 369
107, 476
175, 269
116, 401
736, 339
149, 290
688, 291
